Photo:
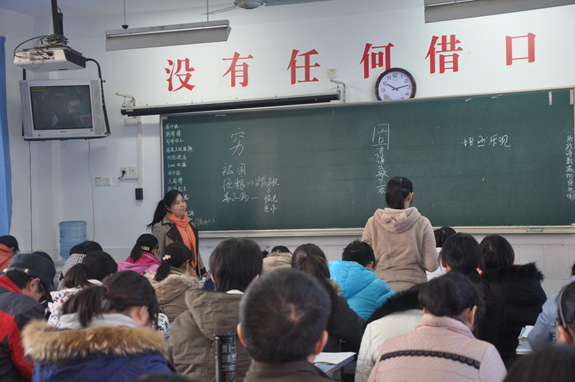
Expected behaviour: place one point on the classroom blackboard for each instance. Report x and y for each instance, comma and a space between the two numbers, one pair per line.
486, 160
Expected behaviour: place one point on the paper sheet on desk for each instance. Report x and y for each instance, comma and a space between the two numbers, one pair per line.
333, 358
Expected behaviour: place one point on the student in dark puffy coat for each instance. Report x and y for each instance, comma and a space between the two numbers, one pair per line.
234, 264
343, 324
520, 285
460, 253
105, 335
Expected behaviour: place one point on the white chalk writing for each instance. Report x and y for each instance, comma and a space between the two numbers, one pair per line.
380, 140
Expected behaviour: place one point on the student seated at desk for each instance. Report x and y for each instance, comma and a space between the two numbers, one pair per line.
397, 316
548, 362
343, 324
461, 253
520, 286
283, 316
566, 315
543, 331
234, 264
442, 346
358, 282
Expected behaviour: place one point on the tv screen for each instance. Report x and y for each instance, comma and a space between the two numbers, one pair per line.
62, 109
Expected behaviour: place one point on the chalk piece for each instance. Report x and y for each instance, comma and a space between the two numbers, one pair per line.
534, 230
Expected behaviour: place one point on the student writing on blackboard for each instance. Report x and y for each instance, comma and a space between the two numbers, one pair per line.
172, 225
401, 238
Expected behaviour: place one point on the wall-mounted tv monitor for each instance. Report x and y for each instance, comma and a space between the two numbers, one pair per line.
62, 109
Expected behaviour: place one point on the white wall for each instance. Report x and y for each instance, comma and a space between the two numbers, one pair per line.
337, 29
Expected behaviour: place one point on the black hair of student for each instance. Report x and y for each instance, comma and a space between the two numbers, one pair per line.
125, 290
20, 279
86, 247
396, 191
573, 270
234, 264
95, 266
163, 205
281, 249
178, 255
566, 308
551, 362
146, 240
10, 242
360, 252
448, 295
265, 254
496, 252
441, 234
461, 252
283, 315
311, 259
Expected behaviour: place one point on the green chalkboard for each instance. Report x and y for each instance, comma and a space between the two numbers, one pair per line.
488, 160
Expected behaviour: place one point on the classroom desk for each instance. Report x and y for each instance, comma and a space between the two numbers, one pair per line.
332, 363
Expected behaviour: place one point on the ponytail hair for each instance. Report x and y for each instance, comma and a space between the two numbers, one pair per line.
162, 207
449, 295
145, 243
95, 266
396, 191
310, 259
122, 291
174, 255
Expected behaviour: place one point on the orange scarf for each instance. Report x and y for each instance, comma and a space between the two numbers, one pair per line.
187, 234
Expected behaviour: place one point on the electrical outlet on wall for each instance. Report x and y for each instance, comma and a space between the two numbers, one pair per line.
128, 172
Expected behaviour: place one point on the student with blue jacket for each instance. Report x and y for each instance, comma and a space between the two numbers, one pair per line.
357, 280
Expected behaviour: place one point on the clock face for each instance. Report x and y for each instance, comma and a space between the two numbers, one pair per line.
395, 83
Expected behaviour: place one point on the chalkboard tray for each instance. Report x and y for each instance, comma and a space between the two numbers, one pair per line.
484, 160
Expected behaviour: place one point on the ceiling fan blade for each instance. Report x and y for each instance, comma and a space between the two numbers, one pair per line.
220, 10
288, 2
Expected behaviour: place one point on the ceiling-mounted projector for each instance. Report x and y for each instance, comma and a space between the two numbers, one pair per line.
49, 59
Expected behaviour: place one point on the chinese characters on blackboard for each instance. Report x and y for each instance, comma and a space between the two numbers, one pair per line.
569, 167
176, 156
380, 140
236, 181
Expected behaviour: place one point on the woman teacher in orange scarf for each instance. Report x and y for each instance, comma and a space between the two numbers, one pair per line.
172, 225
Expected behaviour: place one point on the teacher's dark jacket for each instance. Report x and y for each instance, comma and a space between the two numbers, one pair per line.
167, 233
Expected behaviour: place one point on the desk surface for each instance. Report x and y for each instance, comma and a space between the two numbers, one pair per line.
331, 362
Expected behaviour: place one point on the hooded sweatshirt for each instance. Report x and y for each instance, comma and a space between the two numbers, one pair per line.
191, 344
404, 246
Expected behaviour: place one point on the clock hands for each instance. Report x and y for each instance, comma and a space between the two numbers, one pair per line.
391, 86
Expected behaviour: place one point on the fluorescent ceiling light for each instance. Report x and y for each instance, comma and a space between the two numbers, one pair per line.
168, 35
444, 10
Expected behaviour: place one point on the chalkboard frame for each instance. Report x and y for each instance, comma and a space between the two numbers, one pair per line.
327, 232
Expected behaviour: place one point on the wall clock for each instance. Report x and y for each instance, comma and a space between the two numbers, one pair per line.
395, 83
